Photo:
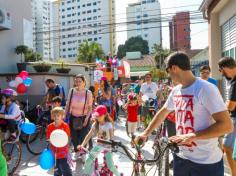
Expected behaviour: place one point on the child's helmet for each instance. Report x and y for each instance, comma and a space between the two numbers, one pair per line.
9, 93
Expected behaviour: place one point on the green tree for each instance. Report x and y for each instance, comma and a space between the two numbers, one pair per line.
88, 52
22, 50
31, 56
133, 44
160, 55
158, 74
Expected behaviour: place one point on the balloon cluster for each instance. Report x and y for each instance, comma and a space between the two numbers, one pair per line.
21, 82
115, 62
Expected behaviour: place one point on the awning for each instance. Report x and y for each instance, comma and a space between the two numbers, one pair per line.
140, 73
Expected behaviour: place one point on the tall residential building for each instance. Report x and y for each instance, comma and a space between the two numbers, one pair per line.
15, 29
91, 20
144, 19
179, 28
45, 23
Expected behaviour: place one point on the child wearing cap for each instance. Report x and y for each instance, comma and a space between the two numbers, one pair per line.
132, 110
102, 126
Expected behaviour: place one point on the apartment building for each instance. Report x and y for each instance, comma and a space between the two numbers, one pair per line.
91, 20
144, 19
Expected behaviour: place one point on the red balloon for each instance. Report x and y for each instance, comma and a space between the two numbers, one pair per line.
24, 74
21, 88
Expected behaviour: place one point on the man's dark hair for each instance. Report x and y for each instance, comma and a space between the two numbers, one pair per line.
49, 81
148, 74
205, 67
179, 59
57, 99
228, 62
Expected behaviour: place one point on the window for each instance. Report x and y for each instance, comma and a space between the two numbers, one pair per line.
63, 3
95, 39
63, 23
89, 25
78, 7
138, 16
89, 11
94, 3
79, 41
84, 19
78, 13
145, 35
83, 5
89, 4
145, 15
95, 32
63, 16
68, 22
78, 0
90, 32
63, 10
63, 36
100, 37
70, 55
78, 20
73, 14
69, 49
69, 15
69, 8
99, 16
90, 39
89, 18
64, 50
84, 33
145, 22
95, 17
63, 43
84, 12
94, 10
68, 2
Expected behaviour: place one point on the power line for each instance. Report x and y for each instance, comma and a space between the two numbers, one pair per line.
117, 24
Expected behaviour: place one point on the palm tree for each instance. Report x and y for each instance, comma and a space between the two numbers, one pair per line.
88, 52
160, 55
22, 50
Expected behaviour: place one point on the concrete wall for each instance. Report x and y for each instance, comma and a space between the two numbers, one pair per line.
9, 39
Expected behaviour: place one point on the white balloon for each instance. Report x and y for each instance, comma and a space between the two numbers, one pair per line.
145, 98
59, 138
13, 83
19, 80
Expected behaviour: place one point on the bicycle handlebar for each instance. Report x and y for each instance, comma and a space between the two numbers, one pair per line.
113, 143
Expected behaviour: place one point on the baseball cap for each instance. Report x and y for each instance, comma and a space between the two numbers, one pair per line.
100, 110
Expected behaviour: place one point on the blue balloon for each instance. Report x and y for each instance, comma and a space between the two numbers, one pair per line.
28, 128
28, 82
46, 159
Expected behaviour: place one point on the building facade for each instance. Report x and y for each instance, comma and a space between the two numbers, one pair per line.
92, 20
45, 24
179, 29
144, 20
17, 32
221, 18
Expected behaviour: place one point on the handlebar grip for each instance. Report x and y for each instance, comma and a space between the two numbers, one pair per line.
104, 141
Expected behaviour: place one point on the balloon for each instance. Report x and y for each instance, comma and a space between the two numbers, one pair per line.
59, 138
24, 74
46, 159
21, 88
13, 83
28, 128
19, 80
28, 82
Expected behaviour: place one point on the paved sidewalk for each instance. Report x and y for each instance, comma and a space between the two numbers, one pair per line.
29, 164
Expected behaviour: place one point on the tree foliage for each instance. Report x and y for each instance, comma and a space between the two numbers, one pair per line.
22, 50
158, 74
160, 55
133, 44
88, 52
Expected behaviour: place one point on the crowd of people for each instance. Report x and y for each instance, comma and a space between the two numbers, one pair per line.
196, 115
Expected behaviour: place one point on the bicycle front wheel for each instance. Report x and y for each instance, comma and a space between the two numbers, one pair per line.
39, 144
12, 152
163, 166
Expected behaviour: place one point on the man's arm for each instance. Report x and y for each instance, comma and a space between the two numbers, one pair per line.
156, 122
231, 105
223, 125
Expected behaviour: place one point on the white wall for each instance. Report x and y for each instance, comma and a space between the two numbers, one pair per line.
9, 39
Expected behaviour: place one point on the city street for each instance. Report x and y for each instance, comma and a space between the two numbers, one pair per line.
29, 165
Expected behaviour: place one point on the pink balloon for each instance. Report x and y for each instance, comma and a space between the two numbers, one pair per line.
24, 74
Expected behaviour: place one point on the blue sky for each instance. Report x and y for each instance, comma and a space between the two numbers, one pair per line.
199, 33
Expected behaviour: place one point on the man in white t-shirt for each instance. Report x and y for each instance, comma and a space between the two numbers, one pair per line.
149, 89
200, 120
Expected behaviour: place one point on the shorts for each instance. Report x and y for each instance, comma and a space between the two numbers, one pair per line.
184, 167
229, 139
132, 126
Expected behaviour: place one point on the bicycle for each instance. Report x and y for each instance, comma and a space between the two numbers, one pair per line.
138, 161
12, 151
39, 137
106, 169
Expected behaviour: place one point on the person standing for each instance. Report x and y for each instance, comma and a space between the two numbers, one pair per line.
227, 67
205, 74
200, 120
148, 89
56, 90
79, 107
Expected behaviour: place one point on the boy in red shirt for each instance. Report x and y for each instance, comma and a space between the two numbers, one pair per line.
62, 166
132, 110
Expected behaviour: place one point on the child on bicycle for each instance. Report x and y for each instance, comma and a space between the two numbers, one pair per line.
102, 126
132, 107
10, 113
62, 167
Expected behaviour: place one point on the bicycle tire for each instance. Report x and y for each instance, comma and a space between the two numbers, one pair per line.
163, 165
40, 138
7, 149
